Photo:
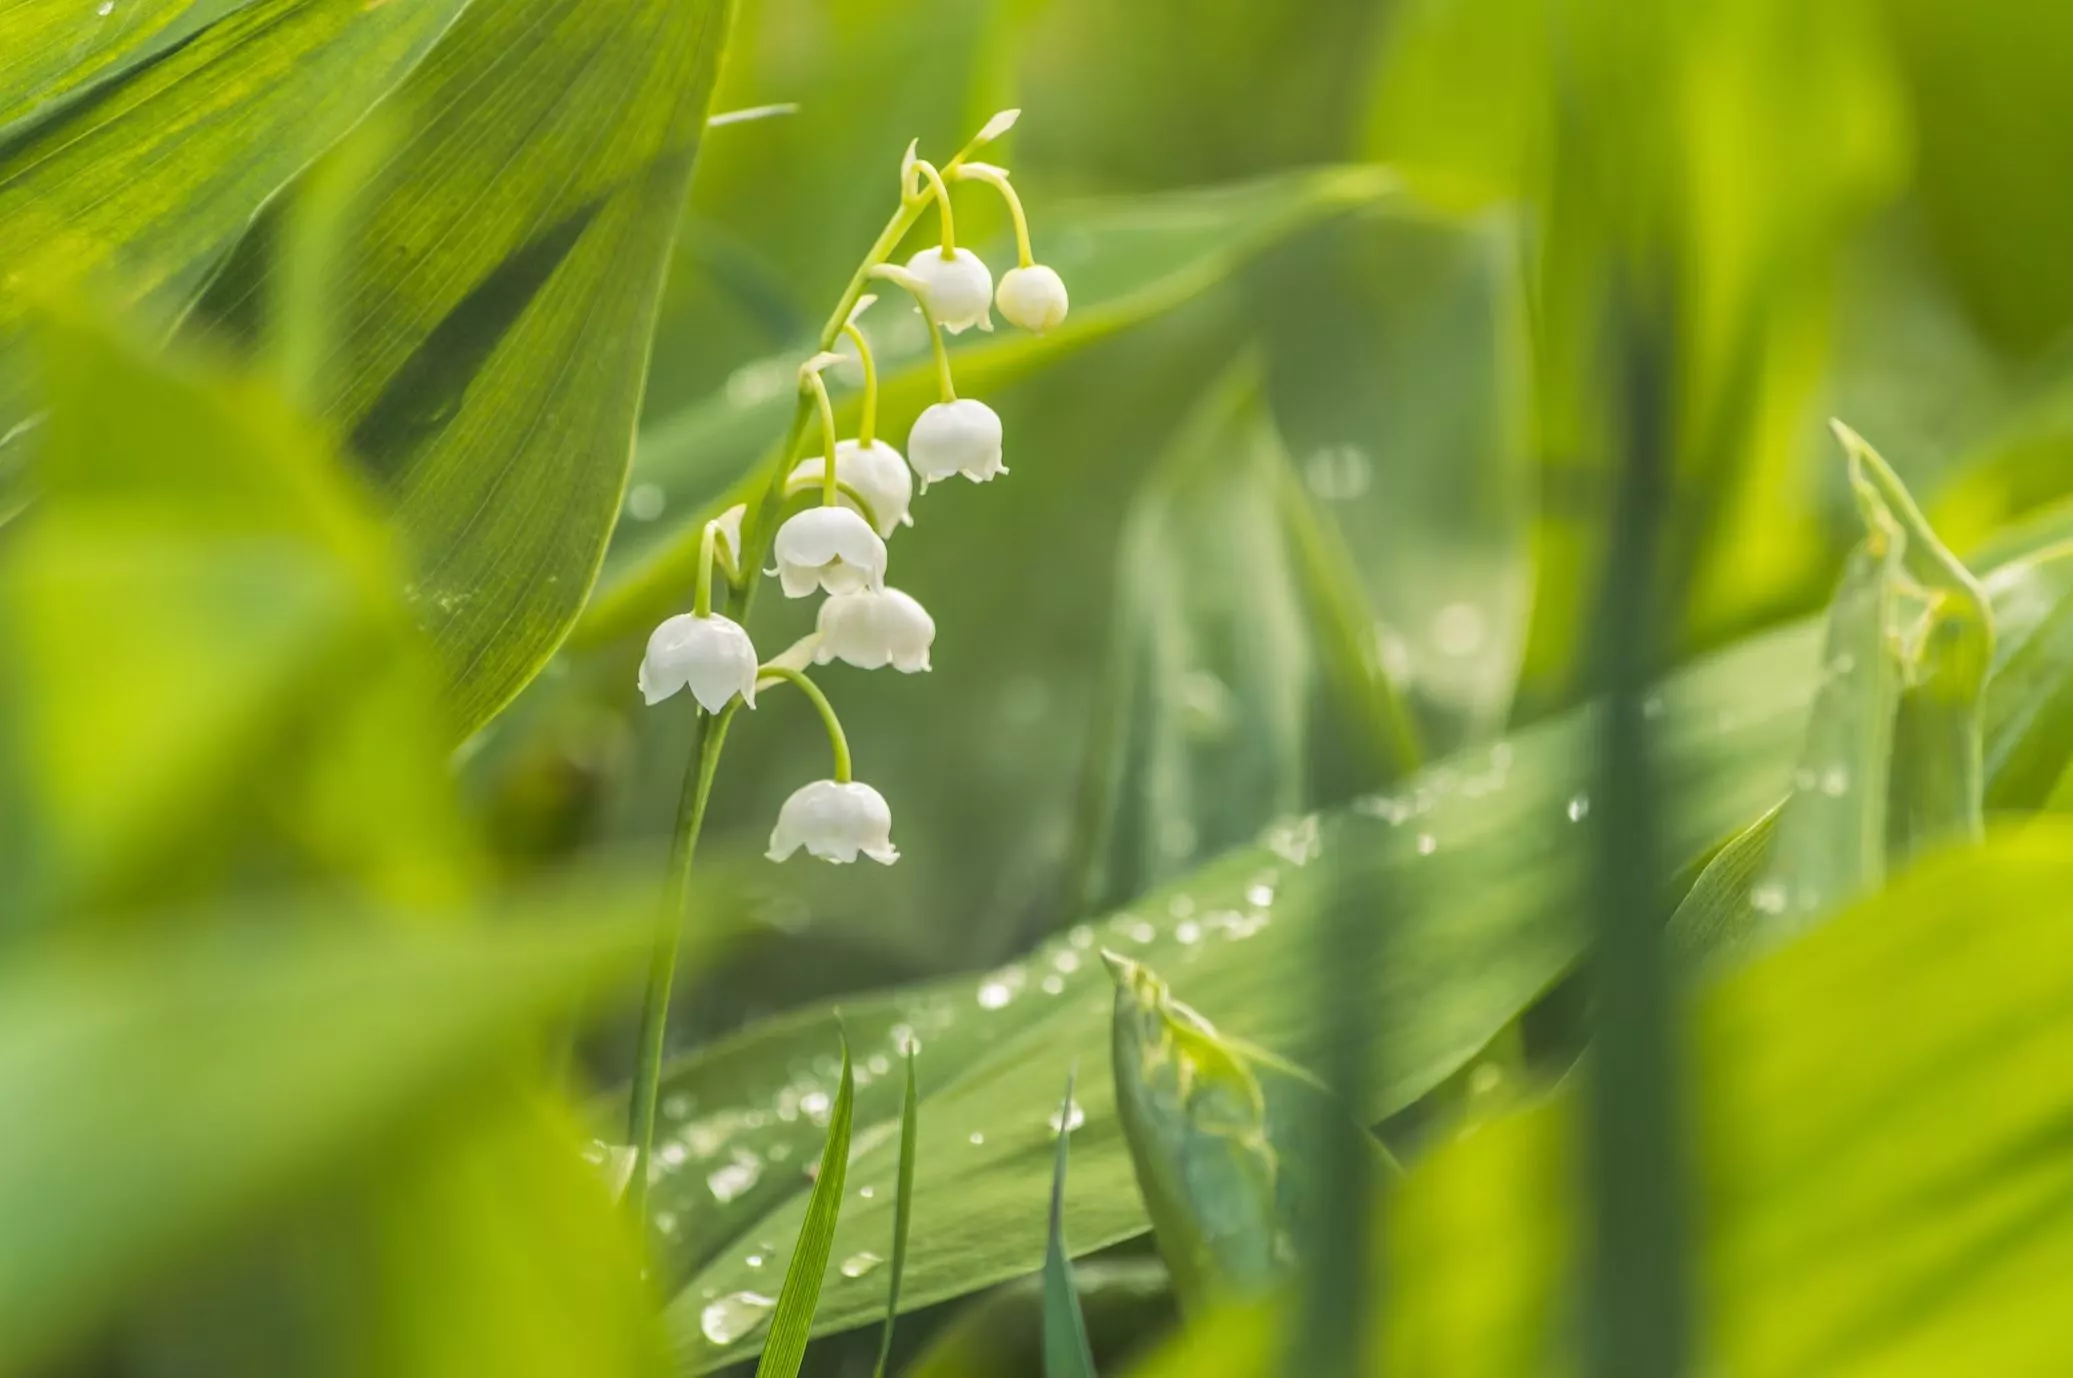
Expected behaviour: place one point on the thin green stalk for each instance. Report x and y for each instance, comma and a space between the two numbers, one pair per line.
837, 742
998, 180
702, 596
867, 414
710, 734
828, 441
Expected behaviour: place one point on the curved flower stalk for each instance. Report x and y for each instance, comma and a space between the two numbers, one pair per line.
824, 520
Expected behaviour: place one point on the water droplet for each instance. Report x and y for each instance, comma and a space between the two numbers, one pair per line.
1189, 932
779, 1151
1487, 1077
105, 8
1001, 987
676, 1106
1427, 844
756, 1260
1579, 808
1843, 663
1081, 937
666, 1222
815, 1103
976, 1138
1066, 961
734, 1316
1294, 841
1054, 985
856, 1265
1768, 897
645, 501
1180, 906
735, 1177
673, 1153
1067, 1120
1259, 894
1835, 781
866, 1192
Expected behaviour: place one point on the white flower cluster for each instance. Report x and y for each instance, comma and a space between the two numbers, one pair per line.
838, 545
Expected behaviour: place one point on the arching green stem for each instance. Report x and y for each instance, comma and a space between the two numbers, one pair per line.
942, 191
837, 742
846, 489
702, 596
867, 413
829, 483
998, 180
912, 286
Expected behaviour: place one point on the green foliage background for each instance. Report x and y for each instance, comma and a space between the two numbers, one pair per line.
368, 370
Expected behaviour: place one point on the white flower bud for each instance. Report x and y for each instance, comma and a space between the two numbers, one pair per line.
710, 656
877, 472
961, 437
835, 822
831, 548
870, 630
958, 289
1033, 297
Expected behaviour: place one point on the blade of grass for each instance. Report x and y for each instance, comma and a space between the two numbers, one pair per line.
793, 1319
1066, 1352
903, 1212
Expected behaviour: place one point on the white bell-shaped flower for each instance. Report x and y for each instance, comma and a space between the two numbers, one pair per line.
873, 629
831, 548
1033, 297
835, 821
710, 656
961, 437
876, 471
958, 289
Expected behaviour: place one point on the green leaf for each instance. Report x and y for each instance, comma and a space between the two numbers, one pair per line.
259, 1058
52, 47
204, 668
137, 192
1128, 260
1000, 1334
1066, 1353
1910, 1216
1221, 1138
903, 1212
792, 1322
496, 306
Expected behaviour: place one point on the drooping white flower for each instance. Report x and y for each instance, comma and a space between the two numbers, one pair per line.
1033, 297
961, 437
831, 548
835, 821
958, 289
876, 471
874, 629
711, 656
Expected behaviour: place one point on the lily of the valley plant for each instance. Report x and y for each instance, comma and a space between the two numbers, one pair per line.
825, 520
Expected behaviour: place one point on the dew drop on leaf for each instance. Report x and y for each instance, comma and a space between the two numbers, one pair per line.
1579, 808
734, 1316
1067, 1120
857, 1265
736, 1176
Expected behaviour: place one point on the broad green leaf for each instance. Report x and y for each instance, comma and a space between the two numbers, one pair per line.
2031, 658
137, 192
1484, 835
1066, 1352
203, 663
496, 307
792, 1321
257, 1059
1127, 260
903, 1214
1718, 914
1912, 1216
1222, 1142
51, 47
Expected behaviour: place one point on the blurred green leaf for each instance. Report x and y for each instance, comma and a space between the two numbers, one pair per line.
136, 192
496, 307
251, 1062
1912, 1216
1066, 1353
792, 1322
51, 47
1000, 1334
1221, 692
1485, 834
1127, 260
203, 665
1220, 1138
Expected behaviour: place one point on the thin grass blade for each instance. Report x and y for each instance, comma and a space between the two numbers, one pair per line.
903, 1211
1066, 1351
793, 1319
